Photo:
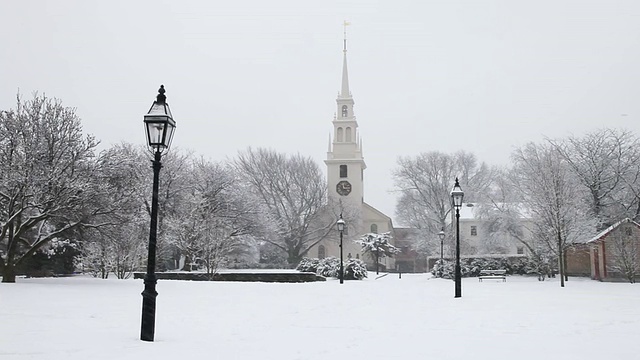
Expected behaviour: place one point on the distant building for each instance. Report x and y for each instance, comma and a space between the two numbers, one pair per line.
609, 254
477, 237
408, 259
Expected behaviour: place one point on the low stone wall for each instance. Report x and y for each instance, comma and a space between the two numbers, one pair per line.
284, 277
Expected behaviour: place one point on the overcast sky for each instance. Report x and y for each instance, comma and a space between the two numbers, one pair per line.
479, 76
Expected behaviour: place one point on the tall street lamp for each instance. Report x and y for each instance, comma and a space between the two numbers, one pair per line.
456, 195
340, 223
441, 236
159, 127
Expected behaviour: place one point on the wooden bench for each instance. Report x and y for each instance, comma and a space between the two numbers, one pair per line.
492, 275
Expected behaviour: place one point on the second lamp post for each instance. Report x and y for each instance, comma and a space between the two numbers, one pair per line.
441, 236
340, 225
456, 195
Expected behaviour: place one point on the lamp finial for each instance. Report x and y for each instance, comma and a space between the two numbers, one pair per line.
161, 98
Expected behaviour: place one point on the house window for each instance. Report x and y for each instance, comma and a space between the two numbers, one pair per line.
474, 230
339, 134
345, 111
343, 171
374, 228
321, 252
628, 231
347, 134
357, 256
520, 250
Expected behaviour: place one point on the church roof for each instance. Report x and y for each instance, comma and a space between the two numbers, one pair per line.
376, 211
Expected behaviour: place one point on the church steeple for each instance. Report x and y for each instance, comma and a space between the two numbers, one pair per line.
345, 93
345, 100
345, 164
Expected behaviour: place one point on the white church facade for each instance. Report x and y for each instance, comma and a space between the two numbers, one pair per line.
345, 180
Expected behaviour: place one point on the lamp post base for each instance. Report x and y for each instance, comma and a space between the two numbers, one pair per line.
149, 295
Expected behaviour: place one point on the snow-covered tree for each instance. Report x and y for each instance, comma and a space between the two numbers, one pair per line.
624, 255
424, 183
119, 245
551, 193
219, 217
378, 246
605, 162
293, 190
45, 178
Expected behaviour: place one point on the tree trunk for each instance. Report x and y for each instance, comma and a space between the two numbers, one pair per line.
9, 273
377, 263
8, 268
187, 263
564, 265
560, 261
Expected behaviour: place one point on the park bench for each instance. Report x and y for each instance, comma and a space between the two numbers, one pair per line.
492, 275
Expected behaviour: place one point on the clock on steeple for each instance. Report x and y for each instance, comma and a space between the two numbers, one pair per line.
343, 188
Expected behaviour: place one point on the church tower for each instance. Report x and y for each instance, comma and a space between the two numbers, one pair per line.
345, 163
345, 181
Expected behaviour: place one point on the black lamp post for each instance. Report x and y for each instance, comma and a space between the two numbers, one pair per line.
159, 127
456, 195
340, 225
441, 236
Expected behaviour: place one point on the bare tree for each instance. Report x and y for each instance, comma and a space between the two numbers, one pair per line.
550, 192
601, 161
624, 256
45, 178
118, 245
504, 215
293, 190
425, 183
218, 218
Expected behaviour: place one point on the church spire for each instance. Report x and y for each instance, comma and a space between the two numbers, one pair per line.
344, 93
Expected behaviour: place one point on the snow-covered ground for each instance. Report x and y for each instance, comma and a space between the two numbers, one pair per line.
390, 318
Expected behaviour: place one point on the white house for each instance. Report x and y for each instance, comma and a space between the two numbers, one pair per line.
478, 237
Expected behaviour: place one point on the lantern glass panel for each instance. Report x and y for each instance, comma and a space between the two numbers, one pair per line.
457, 195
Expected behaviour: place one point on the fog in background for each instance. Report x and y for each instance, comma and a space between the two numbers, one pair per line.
425, 75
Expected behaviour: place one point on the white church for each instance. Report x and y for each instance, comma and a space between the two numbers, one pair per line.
345, 180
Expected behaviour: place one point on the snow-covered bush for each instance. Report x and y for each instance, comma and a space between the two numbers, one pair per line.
308, 265
470, 267
355, 269
329, 267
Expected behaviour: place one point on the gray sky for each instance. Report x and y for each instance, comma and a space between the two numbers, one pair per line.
480, 76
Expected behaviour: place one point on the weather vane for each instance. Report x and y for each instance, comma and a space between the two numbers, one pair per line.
345, 24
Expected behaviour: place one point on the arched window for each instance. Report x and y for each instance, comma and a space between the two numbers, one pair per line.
347, 134
343, 171
374, 228
339, 135
321, 252
345, 111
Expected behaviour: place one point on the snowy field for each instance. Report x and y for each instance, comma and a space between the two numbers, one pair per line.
410, 318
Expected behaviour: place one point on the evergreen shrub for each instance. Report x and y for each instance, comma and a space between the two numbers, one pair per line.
470, 267
308, 265
354, 269
329, 267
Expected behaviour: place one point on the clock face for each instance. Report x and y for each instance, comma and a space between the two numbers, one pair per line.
343, 188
